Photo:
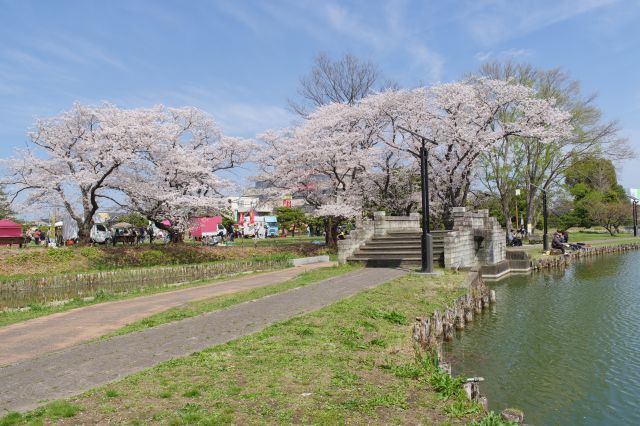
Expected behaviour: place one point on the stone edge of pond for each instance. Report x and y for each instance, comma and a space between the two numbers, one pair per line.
430, 331
560, 261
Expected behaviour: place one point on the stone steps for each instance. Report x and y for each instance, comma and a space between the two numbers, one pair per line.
399, 248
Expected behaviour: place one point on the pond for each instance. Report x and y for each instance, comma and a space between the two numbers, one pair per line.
563, 346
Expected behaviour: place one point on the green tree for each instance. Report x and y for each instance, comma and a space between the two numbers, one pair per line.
134, 219
290, 218
592, 181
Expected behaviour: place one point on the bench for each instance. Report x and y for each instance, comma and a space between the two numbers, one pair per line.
535, 239
9, 241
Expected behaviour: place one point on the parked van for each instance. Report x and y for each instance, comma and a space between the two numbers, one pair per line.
100, 234
270, 223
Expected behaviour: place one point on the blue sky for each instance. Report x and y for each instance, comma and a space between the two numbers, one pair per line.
241, 60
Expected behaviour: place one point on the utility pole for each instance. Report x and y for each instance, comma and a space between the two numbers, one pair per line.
426, 241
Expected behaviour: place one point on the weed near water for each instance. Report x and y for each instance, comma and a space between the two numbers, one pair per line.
491, 419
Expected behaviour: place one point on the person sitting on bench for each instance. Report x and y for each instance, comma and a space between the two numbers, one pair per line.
558, 241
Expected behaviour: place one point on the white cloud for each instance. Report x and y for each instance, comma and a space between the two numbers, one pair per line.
387, 36
237, 114
511, 53
495, 21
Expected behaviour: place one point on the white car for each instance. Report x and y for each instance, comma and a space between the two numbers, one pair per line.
100, 234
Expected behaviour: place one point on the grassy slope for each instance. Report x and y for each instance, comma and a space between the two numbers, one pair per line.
351, 362
16, 264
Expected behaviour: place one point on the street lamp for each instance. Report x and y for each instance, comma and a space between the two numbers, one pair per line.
545, 240
426, 242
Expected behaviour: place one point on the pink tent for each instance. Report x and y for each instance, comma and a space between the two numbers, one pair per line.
10, 229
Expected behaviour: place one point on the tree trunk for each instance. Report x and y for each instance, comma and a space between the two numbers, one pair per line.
331, 234
507, 221
530, 207
84, 233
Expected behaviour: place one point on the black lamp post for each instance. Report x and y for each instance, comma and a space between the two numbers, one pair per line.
426, 242
635, 218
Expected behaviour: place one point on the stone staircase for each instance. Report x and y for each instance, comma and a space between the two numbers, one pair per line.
398, 248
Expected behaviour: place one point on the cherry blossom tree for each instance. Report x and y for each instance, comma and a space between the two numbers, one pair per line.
364, 159
464, 119
320, 160
158, 161
183, 171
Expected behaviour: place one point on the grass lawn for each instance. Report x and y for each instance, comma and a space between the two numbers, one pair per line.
583, 237
596, 239
221, 302
352, 362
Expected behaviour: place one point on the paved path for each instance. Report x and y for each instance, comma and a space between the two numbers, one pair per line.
31, 383
38, 336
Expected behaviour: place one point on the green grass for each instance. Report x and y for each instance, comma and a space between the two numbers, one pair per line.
350, 362
51, 412
40, 310
217, 303
604, 240
579, 237
17, 264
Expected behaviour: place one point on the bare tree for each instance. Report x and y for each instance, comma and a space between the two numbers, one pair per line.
344, 81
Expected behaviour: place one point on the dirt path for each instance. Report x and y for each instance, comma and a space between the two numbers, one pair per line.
31, 383
29, 339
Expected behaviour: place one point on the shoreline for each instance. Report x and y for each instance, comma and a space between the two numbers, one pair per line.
518, 261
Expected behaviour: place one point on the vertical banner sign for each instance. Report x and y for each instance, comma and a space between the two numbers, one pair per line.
286, 200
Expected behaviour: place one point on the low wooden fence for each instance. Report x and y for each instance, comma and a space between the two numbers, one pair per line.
18, 294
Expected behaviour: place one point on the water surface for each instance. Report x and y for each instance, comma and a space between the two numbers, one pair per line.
563, 346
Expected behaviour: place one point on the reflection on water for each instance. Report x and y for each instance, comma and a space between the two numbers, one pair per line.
563, 346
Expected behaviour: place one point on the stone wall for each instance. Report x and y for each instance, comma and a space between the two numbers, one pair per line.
476, 239
378, 227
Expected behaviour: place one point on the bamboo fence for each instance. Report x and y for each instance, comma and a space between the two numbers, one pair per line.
45, 290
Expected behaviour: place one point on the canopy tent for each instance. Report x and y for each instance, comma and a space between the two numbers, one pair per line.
9, 228
122, 225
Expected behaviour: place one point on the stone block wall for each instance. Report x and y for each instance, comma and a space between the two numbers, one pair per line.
476, 239
364, 231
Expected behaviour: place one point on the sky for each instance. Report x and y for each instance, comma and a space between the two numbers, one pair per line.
242, 60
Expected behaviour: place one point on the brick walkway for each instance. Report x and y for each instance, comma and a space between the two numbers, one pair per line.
31, 383
28, 339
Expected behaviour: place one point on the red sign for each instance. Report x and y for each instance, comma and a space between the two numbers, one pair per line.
286, 203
